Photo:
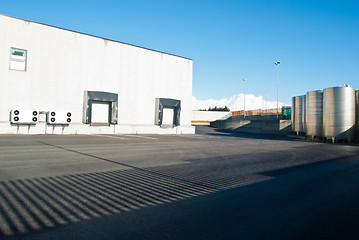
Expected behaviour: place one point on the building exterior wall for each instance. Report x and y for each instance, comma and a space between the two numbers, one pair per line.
62, 64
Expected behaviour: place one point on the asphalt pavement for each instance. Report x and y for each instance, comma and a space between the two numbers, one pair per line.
212, 185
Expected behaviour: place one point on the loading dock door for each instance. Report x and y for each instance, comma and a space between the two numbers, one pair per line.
168, 116
105, 108
100, 113
167, 108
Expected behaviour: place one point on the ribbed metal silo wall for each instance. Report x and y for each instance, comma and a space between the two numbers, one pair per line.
314, 113
297, 114
339, 113
357, 115
304, 116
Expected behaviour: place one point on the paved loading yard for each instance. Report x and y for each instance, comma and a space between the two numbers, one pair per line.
212, 185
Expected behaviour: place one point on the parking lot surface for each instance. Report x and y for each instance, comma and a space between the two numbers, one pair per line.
212, 185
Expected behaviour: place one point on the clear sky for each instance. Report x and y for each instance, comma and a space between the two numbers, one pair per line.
317, 42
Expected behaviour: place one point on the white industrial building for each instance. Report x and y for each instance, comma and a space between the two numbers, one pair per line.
53, 80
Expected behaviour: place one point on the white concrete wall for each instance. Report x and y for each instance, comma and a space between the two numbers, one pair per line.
62, 64
208, 115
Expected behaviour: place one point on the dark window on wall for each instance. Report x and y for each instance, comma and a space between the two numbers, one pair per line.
18, 58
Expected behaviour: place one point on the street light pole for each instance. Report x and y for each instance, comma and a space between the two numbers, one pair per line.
244, 113
277, 63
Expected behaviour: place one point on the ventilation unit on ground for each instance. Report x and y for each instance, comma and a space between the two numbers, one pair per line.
23, 117
58, 118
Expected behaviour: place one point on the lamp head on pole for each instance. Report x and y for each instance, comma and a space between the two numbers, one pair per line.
277, 63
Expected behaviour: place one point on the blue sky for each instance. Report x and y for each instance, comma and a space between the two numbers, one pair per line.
317, 42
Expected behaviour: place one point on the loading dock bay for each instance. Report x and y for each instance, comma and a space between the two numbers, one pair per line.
212, 185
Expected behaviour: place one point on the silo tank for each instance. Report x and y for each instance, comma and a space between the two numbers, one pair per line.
339, 112
297, 114
314, 113
304, 115
357, 115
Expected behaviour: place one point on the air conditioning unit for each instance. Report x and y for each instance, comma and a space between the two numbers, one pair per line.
26, 117
58, 118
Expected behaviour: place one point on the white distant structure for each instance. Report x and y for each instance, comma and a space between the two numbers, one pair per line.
77, 83
203, 117
236, 103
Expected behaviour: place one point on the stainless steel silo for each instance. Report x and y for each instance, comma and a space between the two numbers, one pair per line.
297, 114
314, 113
339, 113
304, 115
357, 114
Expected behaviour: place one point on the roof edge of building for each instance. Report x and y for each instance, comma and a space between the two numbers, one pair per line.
107, 39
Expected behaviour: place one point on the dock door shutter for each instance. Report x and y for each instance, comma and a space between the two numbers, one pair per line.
100, 112
168, 114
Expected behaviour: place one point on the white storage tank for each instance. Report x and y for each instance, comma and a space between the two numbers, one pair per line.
339, 113
314, 113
